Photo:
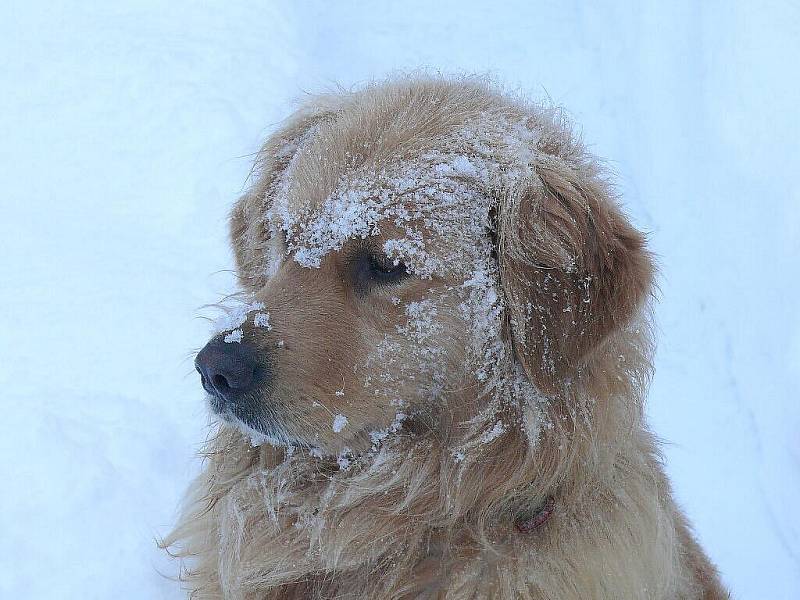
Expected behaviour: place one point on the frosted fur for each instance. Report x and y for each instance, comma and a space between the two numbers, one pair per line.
262, 320
509, 369
339, 423
232, 317
233, 336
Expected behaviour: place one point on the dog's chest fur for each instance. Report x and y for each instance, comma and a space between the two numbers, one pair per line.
329, 542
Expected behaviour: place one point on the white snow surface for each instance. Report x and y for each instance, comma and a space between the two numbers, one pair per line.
126, 133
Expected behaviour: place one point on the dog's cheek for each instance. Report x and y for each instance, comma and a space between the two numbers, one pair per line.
411, 365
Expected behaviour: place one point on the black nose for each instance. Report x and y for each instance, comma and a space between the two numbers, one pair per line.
227, 368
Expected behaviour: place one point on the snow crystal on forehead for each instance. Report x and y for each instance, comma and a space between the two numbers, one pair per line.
460, 165
342, 217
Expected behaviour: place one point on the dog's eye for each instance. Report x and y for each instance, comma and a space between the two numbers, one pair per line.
385, 270
371, 269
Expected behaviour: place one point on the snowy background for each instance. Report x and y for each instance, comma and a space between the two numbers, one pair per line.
125, 130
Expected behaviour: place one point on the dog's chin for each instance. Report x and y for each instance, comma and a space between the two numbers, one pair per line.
259, 430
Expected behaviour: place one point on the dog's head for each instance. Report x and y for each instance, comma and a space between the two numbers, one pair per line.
416, 254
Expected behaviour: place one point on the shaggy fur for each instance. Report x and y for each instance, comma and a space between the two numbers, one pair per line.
510, 367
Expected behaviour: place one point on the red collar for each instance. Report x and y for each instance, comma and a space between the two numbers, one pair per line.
538, 519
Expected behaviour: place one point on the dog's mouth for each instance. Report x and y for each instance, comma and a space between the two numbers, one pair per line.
244, 409
260, 427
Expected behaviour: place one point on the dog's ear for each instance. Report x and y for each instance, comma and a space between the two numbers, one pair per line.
572, 268
249, 229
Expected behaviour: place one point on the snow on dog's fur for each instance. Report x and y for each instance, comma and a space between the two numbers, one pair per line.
454, 312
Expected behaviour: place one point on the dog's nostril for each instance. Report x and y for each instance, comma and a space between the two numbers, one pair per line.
221, 384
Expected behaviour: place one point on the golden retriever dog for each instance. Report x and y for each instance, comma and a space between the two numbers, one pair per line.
434, 385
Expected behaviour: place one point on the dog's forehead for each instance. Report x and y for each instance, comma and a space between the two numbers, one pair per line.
382, 129
421, 207
420, 219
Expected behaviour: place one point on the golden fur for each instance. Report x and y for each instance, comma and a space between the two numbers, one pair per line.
475, 420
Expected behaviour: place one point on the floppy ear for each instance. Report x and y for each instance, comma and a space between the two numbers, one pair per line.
249, 229
572, 268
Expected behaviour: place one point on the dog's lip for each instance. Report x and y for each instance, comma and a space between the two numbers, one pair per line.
207, 385
256, 432
215, 400
217, 403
